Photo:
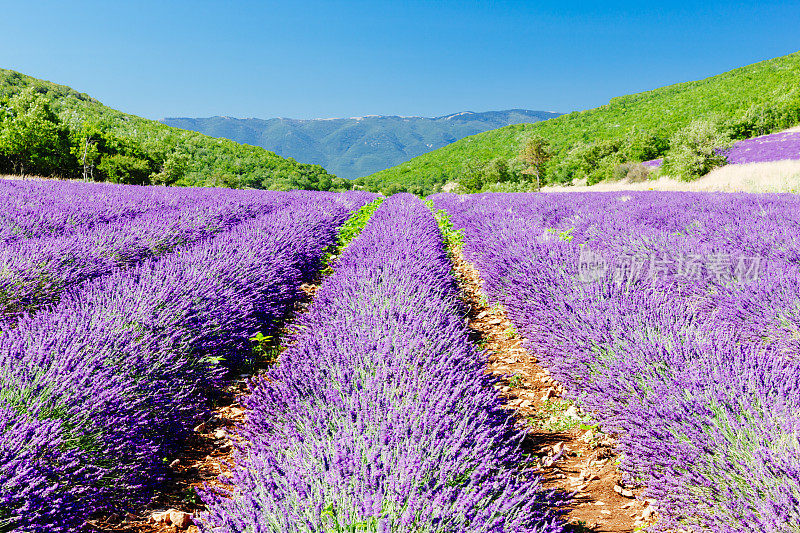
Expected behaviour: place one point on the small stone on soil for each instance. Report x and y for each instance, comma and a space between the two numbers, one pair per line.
551, 393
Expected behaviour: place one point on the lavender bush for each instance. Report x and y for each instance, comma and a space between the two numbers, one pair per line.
379, 416
775, 147
34, 272
697, 369
96, 391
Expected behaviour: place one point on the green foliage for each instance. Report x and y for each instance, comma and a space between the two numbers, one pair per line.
696, 149
50, 129
535, 153
32, 138
329, 511
349, 231
755, 99
173, 168
264, 349
565, 235
453, 238
554, 416
471, 177
118, 168
516, 381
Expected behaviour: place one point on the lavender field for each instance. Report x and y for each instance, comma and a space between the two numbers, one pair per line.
674, 319
671, 319
140, 325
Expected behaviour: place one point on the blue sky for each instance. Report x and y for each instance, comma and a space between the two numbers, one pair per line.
307, 59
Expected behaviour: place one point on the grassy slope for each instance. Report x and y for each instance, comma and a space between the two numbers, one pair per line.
666, 109
212, 160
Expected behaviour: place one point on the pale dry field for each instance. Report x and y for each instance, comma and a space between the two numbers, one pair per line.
773, 176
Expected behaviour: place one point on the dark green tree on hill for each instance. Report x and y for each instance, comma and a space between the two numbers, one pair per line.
32, 138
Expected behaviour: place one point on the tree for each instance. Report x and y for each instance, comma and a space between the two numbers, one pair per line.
535, 154
120, 168
86, 146
497, 171
32, 137
642, 145
472, 177
174, 167
696, 150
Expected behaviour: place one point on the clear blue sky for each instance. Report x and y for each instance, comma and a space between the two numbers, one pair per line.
307, 59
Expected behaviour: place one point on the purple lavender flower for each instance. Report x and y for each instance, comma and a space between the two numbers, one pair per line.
379, 416
98, 389
696, 368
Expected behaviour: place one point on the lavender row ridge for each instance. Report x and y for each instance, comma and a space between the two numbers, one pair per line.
36, 209
379, 416
97, 390
35, 272
698, 370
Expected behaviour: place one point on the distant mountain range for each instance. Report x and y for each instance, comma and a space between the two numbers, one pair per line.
359, 146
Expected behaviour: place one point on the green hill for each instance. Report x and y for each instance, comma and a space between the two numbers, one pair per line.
116, 146
755, 99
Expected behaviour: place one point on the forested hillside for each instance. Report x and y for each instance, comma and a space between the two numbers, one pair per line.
597, 144
354, 147
53, 130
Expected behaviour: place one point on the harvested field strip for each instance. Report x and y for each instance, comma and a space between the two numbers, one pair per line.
99, 390
380, 416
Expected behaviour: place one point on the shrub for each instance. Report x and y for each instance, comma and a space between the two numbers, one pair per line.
125, 169
696, 150
633, 172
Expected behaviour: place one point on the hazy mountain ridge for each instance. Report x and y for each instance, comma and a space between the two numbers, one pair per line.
356, 146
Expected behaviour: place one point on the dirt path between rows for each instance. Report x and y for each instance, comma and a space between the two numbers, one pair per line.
571, 455
206, 456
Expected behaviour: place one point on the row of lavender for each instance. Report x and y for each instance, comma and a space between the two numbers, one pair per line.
96, 390
379, 416
33, 209
35, 271
673, 317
